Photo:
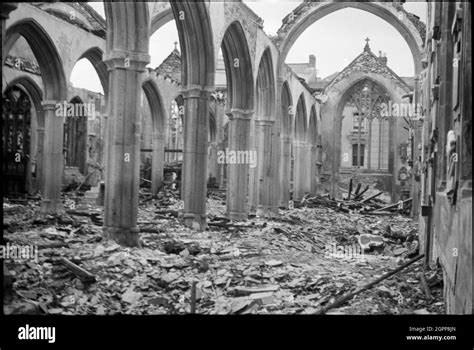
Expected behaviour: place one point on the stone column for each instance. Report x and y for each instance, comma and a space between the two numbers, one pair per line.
7, 7
157, 161
314, 169
416, 154
212, 160
53, 160
275, 169
238, 174
299, 169
194, 186
307, 168
253, 176
40, 160
285, 168
220, 167
123, 146
103, 156
264, 139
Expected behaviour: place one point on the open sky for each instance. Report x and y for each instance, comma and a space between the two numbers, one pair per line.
335, 40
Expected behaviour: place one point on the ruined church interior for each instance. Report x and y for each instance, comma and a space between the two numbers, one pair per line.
237, 157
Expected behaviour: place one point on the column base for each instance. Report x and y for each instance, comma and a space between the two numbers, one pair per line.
239, 216
52, 207
195, 221
267, 212
283, 204
124, 236
252, 210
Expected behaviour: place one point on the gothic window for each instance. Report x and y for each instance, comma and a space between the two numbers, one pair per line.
75, 136
174, 143
368, 136
16, 119
358, 158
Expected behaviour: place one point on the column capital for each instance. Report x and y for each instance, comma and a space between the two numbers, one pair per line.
241, 114
264, 122
49, 104
118, 59
40, 129
8, 7
299, 143
158, 135
196, 91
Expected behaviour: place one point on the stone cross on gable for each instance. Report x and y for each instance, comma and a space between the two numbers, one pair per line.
367, 48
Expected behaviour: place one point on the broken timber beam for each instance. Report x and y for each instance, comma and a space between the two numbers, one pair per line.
83, 274
350, 190
369, 285
359, 195
371, 197
391, 206
356, 192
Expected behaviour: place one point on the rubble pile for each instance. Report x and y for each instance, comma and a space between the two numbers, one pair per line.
295, 264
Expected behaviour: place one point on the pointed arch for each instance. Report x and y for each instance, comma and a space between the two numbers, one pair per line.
265, 87
306, 14
300, 127
95, 57
34, 91
46, 54
238, 67
158, 112
196, 41
287, 109
312, 127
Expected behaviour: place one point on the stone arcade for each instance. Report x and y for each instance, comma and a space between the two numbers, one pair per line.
308, 134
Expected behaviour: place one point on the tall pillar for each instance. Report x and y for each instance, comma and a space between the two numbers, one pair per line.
123, 146
157, 161
299, 170
194, 186
53, 160
314, 169
253, 172
103, 156
264, 139
212, 160
220, 167
308, 171
416, 154
285, 169
238, 174
40, 160
275, 169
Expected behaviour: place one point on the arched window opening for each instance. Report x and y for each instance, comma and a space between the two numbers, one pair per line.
16, 119
365, 129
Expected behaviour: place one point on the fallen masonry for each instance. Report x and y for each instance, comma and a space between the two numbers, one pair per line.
262, 266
